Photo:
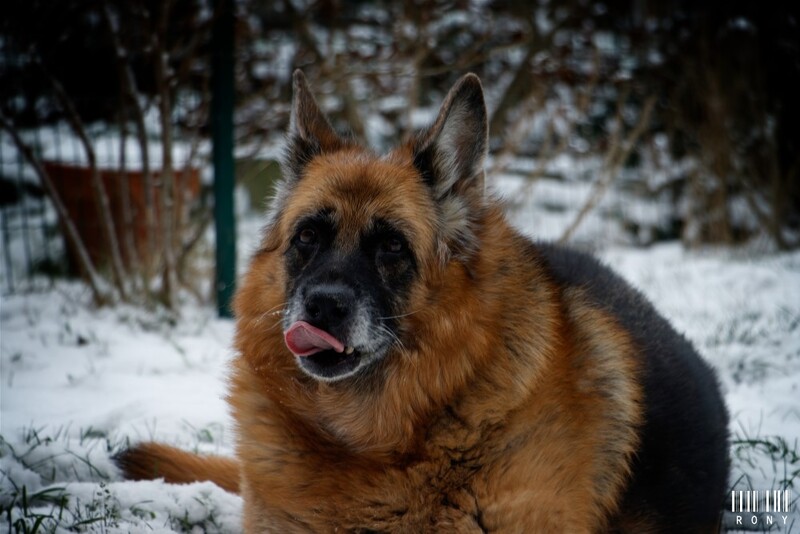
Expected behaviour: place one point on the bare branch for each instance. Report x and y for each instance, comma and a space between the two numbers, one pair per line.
617, 155
101, 198
86, 265
125, 201
189, 245
551, 149
128, 85
166, 199
519, 129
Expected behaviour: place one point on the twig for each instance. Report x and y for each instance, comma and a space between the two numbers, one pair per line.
518, 129
551, 149
166, 199
129, 223
101, 198
84, 260
617, 155
200, 228
128, 84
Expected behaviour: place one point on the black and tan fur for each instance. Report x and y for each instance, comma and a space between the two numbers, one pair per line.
497, 385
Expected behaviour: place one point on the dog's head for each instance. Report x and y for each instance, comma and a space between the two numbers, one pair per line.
362, 236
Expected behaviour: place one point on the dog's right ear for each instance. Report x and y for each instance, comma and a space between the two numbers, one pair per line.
310, 132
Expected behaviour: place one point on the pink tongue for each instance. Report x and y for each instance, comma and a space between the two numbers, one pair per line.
305, 340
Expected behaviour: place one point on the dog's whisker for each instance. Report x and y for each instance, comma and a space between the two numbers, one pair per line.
393, 336
399, 316
278, 308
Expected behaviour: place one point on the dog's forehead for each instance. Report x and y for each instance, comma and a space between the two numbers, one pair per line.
358, 189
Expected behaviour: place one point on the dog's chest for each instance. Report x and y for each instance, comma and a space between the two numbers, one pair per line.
436, 493
437, 490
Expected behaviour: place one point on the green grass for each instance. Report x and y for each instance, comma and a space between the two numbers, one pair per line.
25, 510
766, 463
61, 457
61, 480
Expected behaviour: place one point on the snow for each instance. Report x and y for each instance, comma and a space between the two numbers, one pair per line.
79, 383
111, 370
83, 380
59, 143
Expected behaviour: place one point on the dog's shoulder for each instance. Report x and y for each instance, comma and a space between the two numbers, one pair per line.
685, 419
607, 290
667, 355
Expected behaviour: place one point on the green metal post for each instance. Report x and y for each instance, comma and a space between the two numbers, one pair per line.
222, 96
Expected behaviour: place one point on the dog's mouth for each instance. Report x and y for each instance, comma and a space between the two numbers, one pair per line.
319, 353
330, 364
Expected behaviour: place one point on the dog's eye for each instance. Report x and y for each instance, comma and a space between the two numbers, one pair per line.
393, 245
307, 236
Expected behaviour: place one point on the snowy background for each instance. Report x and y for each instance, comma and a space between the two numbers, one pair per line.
80, 383
675, 120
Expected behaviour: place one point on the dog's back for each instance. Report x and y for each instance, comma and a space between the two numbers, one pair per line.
680, 470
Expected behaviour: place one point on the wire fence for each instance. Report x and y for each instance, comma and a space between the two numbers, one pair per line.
32, 243
34, 249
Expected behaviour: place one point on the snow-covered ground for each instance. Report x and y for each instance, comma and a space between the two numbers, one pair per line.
79, 383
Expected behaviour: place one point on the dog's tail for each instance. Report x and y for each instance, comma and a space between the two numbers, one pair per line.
147, 461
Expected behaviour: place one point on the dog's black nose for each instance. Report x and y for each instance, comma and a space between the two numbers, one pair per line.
328, 307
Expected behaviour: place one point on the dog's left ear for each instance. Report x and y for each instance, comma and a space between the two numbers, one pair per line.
451, 153
449, 156
310, 132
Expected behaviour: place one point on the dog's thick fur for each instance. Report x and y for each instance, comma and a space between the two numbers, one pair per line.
496, 384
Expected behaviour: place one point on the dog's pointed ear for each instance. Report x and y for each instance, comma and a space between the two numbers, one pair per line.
310, 132
450, 154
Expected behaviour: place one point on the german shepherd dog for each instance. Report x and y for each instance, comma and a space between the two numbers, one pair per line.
408, 362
